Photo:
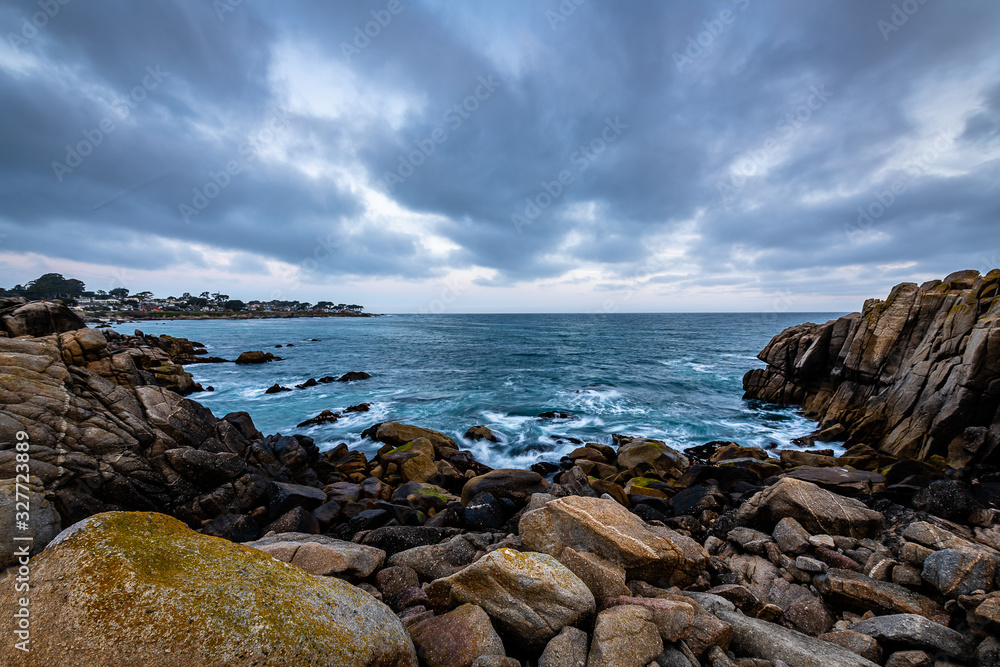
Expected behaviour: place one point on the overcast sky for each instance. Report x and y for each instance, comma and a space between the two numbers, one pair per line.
515, 156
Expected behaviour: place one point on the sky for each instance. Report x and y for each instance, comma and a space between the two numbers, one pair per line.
518, 156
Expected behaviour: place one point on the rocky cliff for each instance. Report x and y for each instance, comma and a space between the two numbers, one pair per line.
915, 375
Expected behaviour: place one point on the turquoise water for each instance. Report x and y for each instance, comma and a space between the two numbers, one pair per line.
675, 377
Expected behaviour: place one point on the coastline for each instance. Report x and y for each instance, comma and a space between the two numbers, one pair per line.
121, 317
634, 553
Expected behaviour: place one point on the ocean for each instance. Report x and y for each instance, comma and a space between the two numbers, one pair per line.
674, 377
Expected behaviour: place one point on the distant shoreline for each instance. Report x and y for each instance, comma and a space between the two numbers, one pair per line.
117, 316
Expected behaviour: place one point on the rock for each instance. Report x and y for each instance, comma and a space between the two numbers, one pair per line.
603, 578
286, 496
322, 555
987, 655
817, 510
397, 435
325, 417
256, 357
456, 639
295, 520
791, 537
43, 522
633, 451
557, 415
496, 661
360, 407
514, 485
477, 433
311, 382
40, 318
484, 512
955, 573
672, 619
910, 631
531, 597
624, 636
353, 376
394, 539
277, 389
760, 639
862, 644
393, 582
567, 649
436, 561
158, 580
901, 375
856, 591
808, 615
233, 527
609, 531
909, 659
840, 480
947, 498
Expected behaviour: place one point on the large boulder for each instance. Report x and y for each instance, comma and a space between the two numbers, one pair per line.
625, 636
142, 589
608, 530
817, 510
910, 631
40, 318
531, 597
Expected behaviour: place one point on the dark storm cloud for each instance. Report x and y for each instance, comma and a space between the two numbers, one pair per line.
533, 139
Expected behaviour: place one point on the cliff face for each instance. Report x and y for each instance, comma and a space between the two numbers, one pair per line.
916, 375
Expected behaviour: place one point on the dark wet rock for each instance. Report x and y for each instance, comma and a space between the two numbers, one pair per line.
840, 480
360, 407
234, 527
555, 414
311, 382
296, 520
353, 376
393, 539
484, 512
955, 572
948, 499
276, 389
477, 433
256, 357
325, 417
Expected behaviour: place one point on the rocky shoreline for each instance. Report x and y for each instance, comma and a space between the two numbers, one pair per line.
632, 553
123, 317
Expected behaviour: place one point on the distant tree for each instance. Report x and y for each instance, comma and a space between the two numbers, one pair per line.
205, 296
325, 305
197, 302
52, 286
118, 293
186, 296
235, 305
142, 296
101, 294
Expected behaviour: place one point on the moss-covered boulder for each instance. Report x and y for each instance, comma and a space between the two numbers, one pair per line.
136, 588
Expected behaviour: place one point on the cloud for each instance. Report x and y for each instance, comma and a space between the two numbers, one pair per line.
714, 146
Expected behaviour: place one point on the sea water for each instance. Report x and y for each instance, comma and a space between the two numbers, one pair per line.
674, 377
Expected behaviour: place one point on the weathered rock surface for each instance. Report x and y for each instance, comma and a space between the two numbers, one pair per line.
625, 636
760, 639
531, 597
37, 318
913, 375
817, 510
609, 531
567, 649
322, 555
43, 521
911, 631
142, 589
457, 638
